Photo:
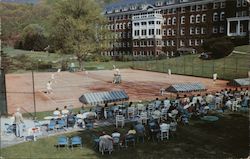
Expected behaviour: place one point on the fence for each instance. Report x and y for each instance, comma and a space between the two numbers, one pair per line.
227, 68
3, 102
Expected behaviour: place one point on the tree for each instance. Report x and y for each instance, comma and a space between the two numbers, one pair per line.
33, 38
78, 28
219, 46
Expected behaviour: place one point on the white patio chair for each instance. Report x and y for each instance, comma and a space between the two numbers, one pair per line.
119, 119
164, 130
131, 112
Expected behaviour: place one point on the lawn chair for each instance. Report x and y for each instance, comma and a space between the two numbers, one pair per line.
75, 141
62, 141
131, 112
61, 124
164, 131
52, 125
129, 139
116, 141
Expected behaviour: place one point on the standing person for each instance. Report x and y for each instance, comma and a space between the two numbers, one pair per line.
49, 88
19, 123
214, 77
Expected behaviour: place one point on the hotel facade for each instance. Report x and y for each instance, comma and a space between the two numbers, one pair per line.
171, 27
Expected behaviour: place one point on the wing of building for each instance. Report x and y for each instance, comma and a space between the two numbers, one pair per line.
152, 27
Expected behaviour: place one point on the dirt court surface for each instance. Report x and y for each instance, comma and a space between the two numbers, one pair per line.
68, 87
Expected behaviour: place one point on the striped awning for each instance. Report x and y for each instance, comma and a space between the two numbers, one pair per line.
186, 87
103, 97
240, 82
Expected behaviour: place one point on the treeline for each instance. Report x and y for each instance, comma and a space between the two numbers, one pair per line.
29, 26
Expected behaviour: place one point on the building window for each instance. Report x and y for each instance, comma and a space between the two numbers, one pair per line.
183, 20
202, 41
215, 30
203, 30
173, 32
198, 18
158, 31
192, 8
182, 31
169, 32
169, 21
174, 21
151, 22
197, 30
216, 5
164, 22
151, 32
244, 3
238, 3
222, 4
136, 24
183, 9
164, 32
197, 42
192, 19
204, 7
174, 10
137, 32
215, 17
191, 42
173, 42
158, 22
143, 23
169, 43
204, 18
221, 29
222, 16
144, 32
182, 43
198, 8
191, 30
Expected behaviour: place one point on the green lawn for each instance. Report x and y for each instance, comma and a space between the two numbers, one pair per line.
233, 66
226, 138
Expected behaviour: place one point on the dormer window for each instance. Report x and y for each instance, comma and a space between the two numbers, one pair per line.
132, 7
158, 4
125, 9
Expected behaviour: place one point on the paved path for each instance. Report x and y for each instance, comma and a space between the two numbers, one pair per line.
7, 140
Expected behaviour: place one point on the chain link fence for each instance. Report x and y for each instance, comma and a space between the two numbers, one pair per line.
227, 68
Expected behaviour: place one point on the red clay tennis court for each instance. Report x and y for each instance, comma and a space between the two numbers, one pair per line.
68, 87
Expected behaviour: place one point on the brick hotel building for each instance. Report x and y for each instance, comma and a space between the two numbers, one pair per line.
152, 27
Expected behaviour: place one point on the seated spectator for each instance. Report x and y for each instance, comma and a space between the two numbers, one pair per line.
140, 129
156, 114
131, 131
166, 102
70, 120
65, 111
79, 120
57, 113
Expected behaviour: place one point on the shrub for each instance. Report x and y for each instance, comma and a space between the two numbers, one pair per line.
219, 46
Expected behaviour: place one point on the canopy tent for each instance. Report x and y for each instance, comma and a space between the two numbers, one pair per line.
186, 87
240, 82
103, 97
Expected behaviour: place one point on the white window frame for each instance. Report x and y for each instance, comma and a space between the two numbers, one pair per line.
204, 18
182, 19
192, 19
197, 30
215, 17
222, 29
169, 21
182, 31
174, 21
198, 18
222, 4
215, 30
169, 32
191, 31
203, 30
222, 16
